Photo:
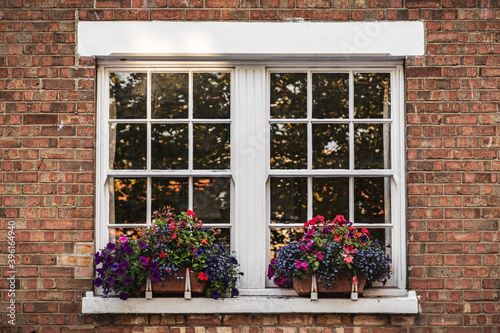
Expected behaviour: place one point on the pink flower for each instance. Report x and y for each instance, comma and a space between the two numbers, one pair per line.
336, 238
301, 265
354, 280
319, 255
123, 239
348, 259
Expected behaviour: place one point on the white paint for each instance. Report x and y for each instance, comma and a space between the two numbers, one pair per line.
159, 38
407, 304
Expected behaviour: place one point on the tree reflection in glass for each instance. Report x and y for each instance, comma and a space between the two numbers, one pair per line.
372, 95
372, 200
211, 146
288, 146
330, 95
330, 146
115, 233
169, 98
173, 192
282, 236
331, 197
288, 95
127, 95
211, 95
128, 201
288, 200
212, 199
169, 146
371, 146
127, 146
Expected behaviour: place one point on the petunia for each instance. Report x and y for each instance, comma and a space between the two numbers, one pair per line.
199, 251
98, 282
153, 266
215, 293
123, 239
234, 292
111, 281
128, 280
155, 276
123, 296
319, 256
111, 246
270, 271
142, 244
301, 265
143, 260
115, 266
124, 264
98, 258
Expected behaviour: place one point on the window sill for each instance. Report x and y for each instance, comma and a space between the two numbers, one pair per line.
407, 304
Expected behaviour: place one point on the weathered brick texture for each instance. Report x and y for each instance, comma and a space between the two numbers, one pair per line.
47, 159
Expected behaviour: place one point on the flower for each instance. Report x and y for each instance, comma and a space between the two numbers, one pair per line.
202, 276
190, 213
144, 260
98, 282
123, 296
328, 249
215, 293
123, 239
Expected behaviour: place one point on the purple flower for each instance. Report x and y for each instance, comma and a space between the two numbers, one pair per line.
363, 238
101, 270
123, 296
155, 276
111, 281
111, 246
122, 272
128, 280
142, 244
115, 266
215, 293
233, 260
143, 260
199, 251
301, 265
98, 282
124, 264
98, 258
127, 249
153, 266
350, 234
234, 292
270, 271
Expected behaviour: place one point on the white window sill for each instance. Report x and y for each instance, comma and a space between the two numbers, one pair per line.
406, 304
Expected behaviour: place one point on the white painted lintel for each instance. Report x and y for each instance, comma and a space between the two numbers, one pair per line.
407, 304
250, 39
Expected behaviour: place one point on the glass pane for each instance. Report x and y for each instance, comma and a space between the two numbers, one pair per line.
225, 236
173, 192
170, 93
372, 200
372, 148
127, 95
331, 197
128, 201
212, 199
330, 95
211, 146
383, 235
115, 233
288, 95
288, 200
127, 143
331, 146
282, 236
169, 146
211, 95
288, 146
372, 95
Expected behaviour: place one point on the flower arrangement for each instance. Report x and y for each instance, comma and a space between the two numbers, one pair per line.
330, 249
170, 245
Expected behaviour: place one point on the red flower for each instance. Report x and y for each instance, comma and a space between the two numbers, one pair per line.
337, 238
162, 255
204, 241
365, 231
172, 225
202, 276
354, 280
190, 213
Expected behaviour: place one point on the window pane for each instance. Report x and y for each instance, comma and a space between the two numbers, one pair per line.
173, 192
212, 199
211, 146
211, 95
288, 95
331, 197
169, 95
127, 95
282, 236
372, 202
169, 146
331, 146
288, 200
330, 95
372, 146
288, 146
128, 201
372, 95
115, 233
127, 146
224, 236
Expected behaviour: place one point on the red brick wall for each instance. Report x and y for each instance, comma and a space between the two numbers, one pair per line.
47, 142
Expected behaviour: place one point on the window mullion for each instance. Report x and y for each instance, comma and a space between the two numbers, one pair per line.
309, 146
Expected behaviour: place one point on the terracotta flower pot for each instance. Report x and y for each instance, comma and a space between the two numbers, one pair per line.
174, 285
342, 285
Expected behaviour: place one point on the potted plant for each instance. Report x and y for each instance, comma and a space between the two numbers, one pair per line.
338, 254
166, 250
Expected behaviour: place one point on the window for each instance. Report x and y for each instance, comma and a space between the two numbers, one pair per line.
255, 150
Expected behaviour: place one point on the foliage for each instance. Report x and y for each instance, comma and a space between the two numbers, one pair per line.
330, 248
121, 270
170, 244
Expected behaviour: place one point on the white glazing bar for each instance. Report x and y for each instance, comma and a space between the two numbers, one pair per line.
351, 145
250, 174
309, 146
190, 123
